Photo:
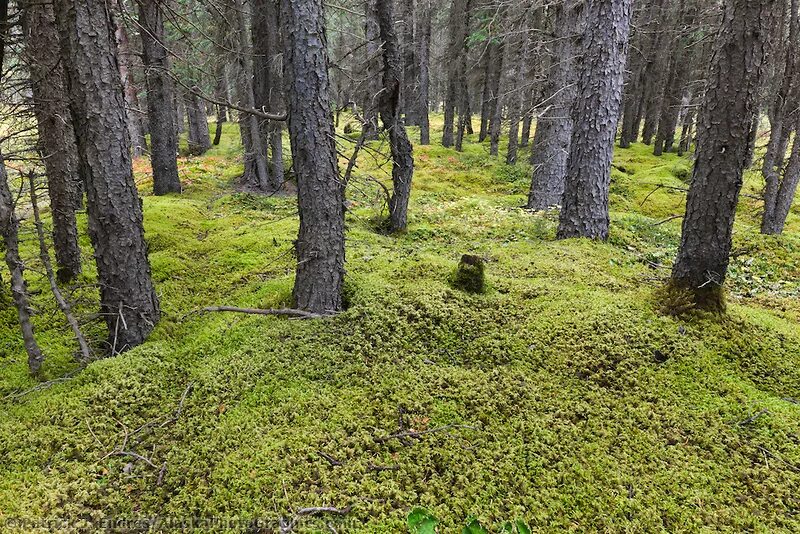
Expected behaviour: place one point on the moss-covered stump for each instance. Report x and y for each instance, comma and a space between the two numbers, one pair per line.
469, 275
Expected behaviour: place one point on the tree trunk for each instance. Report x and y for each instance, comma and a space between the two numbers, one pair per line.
595, 114
551, 141
56, 135
372, 70
402, 159
160, 99
127, 298
456, 60
198, 139
9, 225
786, 191
320, 193
723, 129
135, 120
256, 168
423, 35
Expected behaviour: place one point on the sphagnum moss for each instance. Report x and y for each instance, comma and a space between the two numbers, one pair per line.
568, 399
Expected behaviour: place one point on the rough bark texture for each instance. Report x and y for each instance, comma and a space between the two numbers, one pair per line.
402, 159
551, 141
320, 194
722, 134
127, 298
56, 135
160, 100
198, 139
455, 61
373, 70
267, 80
9, 225
595, 112
135, 118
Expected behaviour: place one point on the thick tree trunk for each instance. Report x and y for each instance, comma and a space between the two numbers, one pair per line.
9, 225
56, 135
723, 128
423, 36
402, 159
320, 193
595, 114
128, 300
551, 141
160, 99
198, 140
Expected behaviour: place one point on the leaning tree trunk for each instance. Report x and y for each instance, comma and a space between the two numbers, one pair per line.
402, 159
320, 193
56, 135
198, 139
9, 225
595, 112
722, 135
786, 191
128, 300
160, 99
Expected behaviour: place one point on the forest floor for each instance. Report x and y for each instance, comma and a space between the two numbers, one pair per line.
564, 396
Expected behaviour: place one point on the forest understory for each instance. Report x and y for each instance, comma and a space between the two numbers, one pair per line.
567, 395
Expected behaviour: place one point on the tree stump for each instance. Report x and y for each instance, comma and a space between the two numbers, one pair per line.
469, 275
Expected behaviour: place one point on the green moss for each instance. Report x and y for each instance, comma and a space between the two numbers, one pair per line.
577, 403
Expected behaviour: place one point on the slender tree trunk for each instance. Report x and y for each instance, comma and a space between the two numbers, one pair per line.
423, 35
402, 159
456, 60
551, 141
595, 114
128, 300
19, 292
198, 139
372, 70
256, 168
723, 128
56, 135
786, 191
686, 128
160, 99
135, 123
320, 193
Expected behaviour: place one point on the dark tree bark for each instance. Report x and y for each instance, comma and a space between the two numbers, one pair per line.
198, 139
782, 109
127, 298
680, 64
595, 113
256, 175
456, 60
654, 71
160, 99
686, 126
320, 193
723, 128
135, 119
551, 141
423, 53
786, 191
267, 80
56, 135
402, 159
405, 28
372, 70
9, 225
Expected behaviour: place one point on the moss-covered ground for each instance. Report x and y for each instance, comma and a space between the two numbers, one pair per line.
562, 395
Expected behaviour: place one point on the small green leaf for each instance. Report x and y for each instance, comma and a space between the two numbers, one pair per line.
523, 528
420, 521
474, 527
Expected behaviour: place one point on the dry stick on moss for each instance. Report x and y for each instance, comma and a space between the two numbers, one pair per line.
670, 218
38, 387
289, 312
419, 434
317, 510
44, 255
781, 460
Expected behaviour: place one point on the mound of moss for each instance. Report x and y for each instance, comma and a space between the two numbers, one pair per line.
561, 396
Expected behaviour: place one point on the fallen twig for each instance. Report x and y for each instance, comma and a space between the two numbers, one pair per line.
330, 459
419, 434
38, 387
289, 312
781, 460
753, 417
